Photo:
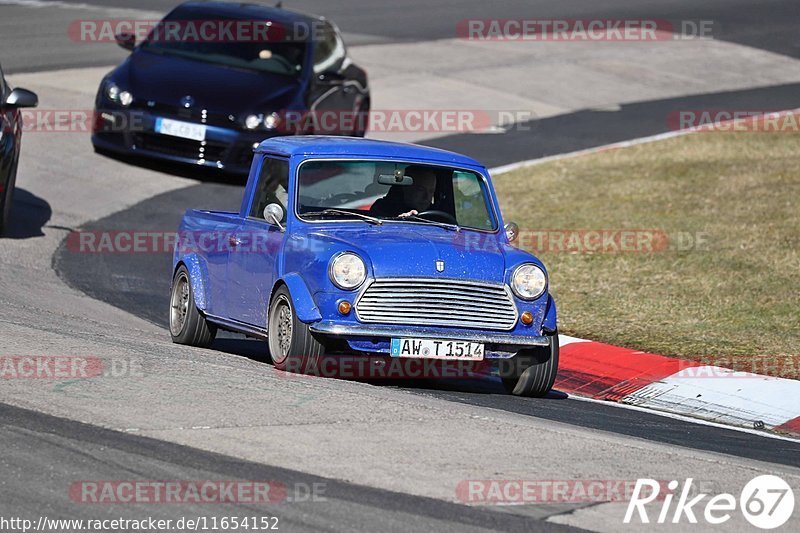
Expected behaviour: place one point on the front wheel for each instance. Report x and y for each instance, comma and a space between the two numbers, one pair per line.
186, 324
532, 372
6, 199
292, 346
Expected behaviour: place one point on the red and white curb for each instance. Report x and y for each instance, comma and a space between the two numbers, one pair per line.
605, 372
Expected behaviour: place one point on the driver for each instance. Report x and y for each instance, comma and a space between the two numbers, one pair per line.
406, 200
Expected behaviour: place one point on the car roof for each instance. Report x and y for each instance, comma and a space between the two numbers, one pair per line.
248, 11
346, 147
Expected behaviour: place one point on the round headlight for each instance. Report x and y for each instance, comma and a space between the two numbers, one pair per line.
125, 98
528, 281
112, 91
271, 121
252, 122
348, 271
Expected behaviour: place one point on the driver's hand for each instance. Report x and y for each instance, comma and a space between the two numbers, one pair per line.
408, 214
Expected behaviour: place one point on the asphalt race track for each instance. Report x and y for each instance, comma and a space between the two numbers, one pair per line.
146, 290
388, 454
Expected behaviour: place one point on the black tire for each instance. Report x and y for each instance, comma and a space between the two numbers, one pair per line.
7, 199
186, 324
533, 372
292, 346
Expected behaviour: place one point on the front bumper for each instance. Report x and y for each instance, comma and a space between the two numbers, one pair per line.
225, 148
498, 345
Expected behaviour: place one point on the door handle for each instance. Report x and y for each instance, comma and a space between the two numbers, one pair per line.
234, 241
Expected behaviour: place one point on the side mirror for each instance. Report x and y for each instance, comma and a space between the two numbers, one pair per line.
512, 231
126, 41
22, 98
274, 213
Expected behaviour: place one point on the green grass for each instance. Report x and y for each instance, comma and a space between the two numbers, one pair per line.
735, 300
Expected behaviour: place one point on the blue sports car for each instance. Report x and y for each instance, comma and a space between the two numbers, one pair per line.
213, 79
351, 246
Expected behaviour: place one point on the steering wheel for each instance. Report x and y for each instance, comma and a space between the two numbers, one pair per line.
439, 216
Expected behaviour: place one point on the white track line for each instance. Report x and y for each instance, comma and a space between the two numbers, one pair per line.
684, 418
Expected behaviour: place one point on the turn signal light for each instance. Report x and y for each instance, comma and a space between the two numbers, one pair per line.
526, 318
344, 307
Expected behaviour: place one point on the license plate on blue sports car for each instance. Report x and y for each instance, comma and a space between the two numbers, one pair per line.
435, 349
178, 128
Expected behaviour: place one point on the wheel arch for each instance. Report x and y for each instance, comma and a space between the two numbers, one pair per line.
198, 274
304, 305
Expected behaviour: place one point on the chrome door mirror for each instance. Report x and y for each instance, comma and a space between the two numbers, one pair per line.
274, 213
512, 231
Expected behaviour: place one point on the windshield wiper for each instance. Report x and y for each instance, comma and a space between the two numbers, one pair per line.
454, 227
365, 218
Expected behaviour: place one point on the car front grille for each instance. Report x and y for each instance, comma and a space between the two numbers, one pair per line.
176, 146
437, 302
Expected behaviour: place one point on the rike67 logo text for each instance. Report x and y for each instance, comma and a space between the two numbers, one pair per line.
767, 502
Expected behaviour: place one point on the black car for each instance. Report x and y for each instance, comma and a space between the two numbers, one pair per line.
210, 101
10, 138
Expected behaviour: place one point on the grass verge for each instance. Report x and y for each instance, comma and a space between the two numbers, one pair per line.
708, 269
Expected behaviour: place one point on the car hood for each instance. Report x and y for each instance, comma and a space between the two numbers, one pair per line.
413, 250
167, 79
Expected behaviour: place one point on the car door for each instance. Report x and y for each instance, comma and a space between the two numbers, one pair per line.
256, 247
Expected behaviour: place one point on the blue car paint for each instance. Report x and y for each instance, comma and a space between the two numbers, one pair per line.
198, 274
301, 259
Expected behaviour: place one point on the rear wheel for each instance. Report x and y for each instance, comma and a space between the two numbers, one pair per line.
533, 372
186, 324
292, 346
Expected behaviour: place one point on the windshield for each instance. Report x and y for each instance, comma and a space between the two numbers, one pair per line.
403, 192
238, 43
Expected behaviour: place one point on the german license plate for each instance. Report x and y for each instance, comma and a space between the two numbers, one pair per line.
178, 128
433, 349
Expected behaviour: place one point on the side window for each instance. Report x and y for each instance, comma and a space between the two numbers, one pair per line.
273, 183
471, 201
328, 49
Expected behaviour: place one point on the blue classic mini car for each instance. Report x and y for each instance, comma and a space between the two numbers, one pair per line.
350, 246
